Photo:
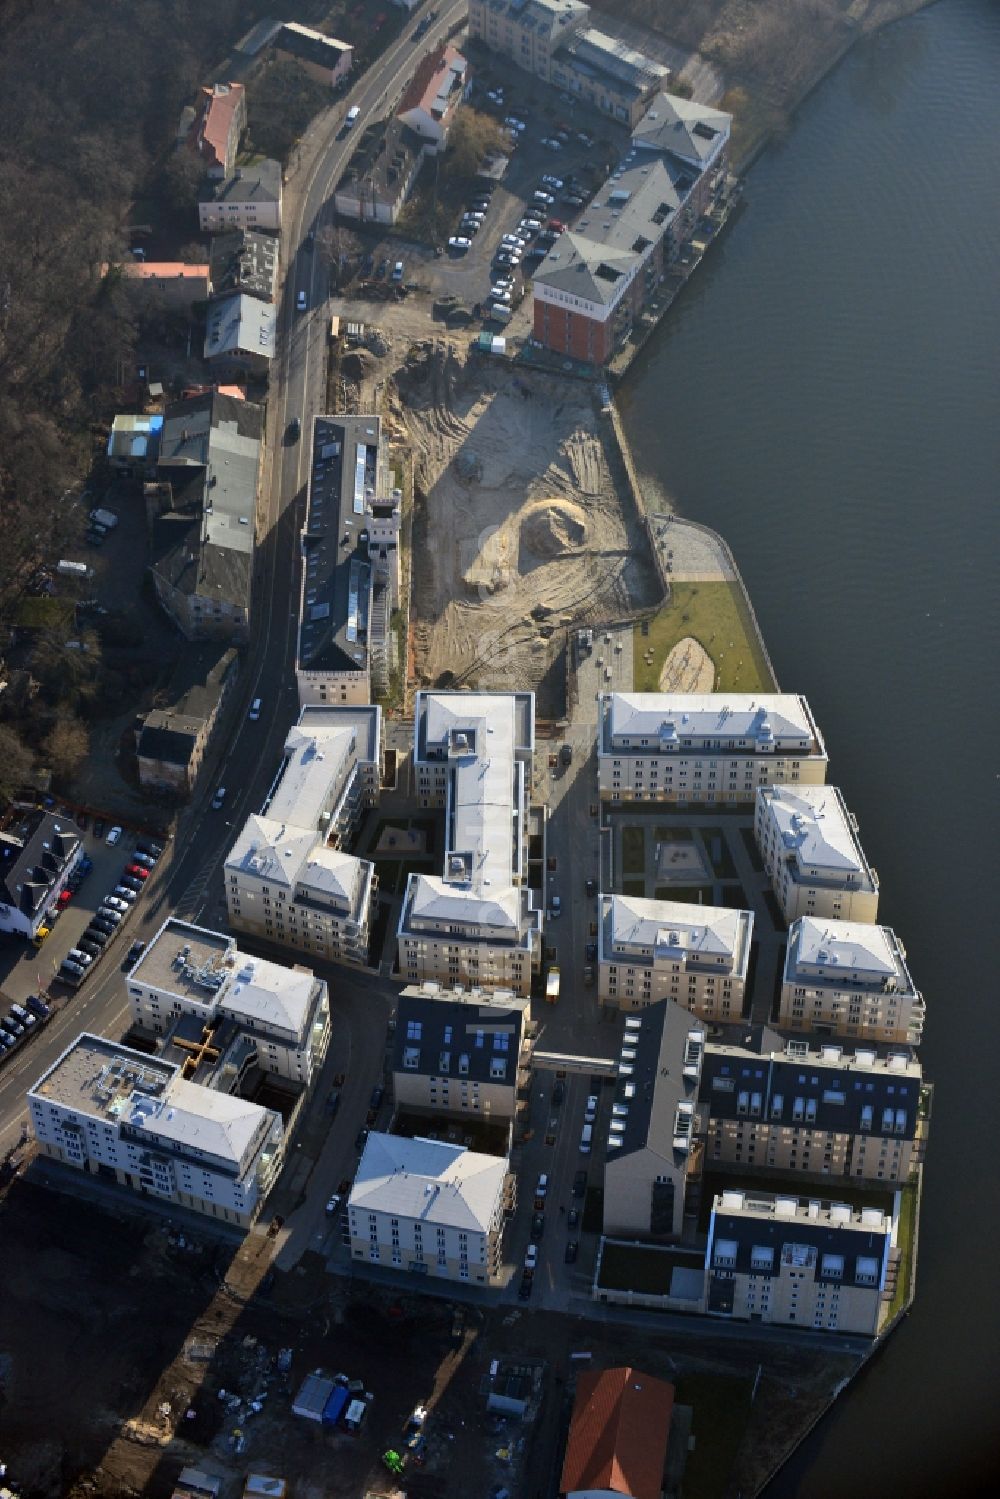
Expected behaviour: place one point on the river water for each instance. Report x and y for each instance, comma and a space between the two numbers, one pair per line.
826, 395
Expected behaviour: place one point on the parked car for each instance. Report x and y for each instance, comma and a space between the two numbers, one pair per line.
537, 1227
77, 955
333, 1205
115, 903
460, 242
36, 1002
99, 826
106, 922
150, 851
572, 1218
361, 1139
556, 183
114, 836
531, 1259
89, 946
138, 872
542, 1188
558, 1092
378, 1093
557, 226
125, 893
524, 1289
591, 950
572, 1250
579, 1183
12, 1025
148, 861
591, 1111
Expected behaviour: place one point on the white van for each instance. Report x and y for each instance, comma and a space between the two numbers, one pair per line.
586, 1137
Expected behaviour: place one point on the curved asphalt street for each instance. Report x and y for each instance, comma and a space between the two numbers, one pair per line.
251, 756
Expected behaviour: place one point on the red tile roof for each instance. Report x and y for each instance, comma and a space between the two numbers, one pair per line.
211, 130
618, 1434
431, 80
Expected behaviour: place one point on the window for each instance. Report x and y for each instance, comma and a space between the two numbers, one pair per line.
725, 1252
832, 1266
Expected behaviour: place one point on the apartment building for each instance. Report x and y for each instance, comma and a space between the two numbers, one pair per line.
847, 978
219, 122
429, 1208
36, 861
321, 57
239, 335
477, 922
799, 1263
381, 172
457, 1053
527, 31
350, 565
122, 1115
551, 38
598, 278
811, 851
268, 1016
201, 515
248, 198
704, 747
171, 744
648, 950
818, 1110
245, 261
288, 879
432, 97
653, 1128
175, 283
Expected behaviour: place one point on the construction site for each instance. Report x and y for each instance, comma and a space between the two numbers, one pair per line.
524, 523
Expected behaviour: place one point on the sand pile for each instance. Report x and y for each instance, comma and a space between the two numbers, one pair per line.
550, 528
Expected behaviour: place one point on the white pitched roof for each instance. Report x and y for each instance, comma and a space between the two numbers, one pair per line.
666, 924
812, 821
435, 899
271, 850
317, 759
701, 715
269, 993
428, 1180
850, 946
188, 1114
331, 873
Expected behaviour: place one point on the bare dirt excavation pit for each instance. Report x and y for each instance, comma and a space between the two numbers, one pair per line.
520, 528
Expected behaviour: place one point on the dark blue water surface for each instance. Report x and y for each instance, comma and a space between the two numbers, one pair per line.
826, 394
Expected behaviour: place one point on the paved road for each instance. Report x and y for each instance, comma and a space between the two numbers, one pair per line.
187, 879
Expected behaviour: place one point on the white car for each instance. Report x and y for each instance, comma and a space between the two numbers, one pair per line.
531, 225
531, 1257
590, 1113
513, 123
114, 836
219, 798
506, 282
515, 241
116, 904
546, 200
554, 182
255, 708
551, 144
476, 215
543, 1186
460, 242
122, 892
500, 294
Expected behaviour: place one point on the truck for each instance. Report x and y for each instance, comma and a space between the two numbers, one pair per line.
67, 569
106, 518
552, 985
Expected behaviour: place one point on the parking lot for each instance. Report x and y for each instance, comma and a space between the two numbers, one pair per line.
26, 969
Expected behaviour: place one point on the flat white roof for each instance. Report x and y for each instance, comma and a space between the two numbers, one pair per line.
759, 719
428, 1180
814, 825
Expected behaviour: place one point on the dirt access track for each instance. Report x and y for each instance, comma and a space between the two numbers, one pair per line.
521, 526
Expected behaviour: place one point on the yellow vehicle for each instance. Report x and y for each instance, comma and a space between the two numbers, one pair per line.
40, 935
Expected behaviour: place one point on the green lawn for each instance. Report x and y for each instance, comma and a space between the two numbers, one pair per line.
715, 615
721, 1408
633, 851
907, 1224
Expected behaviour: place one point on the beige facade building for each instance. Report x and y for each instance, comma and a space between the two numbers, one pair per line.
552, 39
476, 923
458, 1053
845, 978
811, 851
815, 1110
705, 747
189, 972
288, 879
650, 950
250, 198
797, 1262
114, 1112
652, 1131
428, 1208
